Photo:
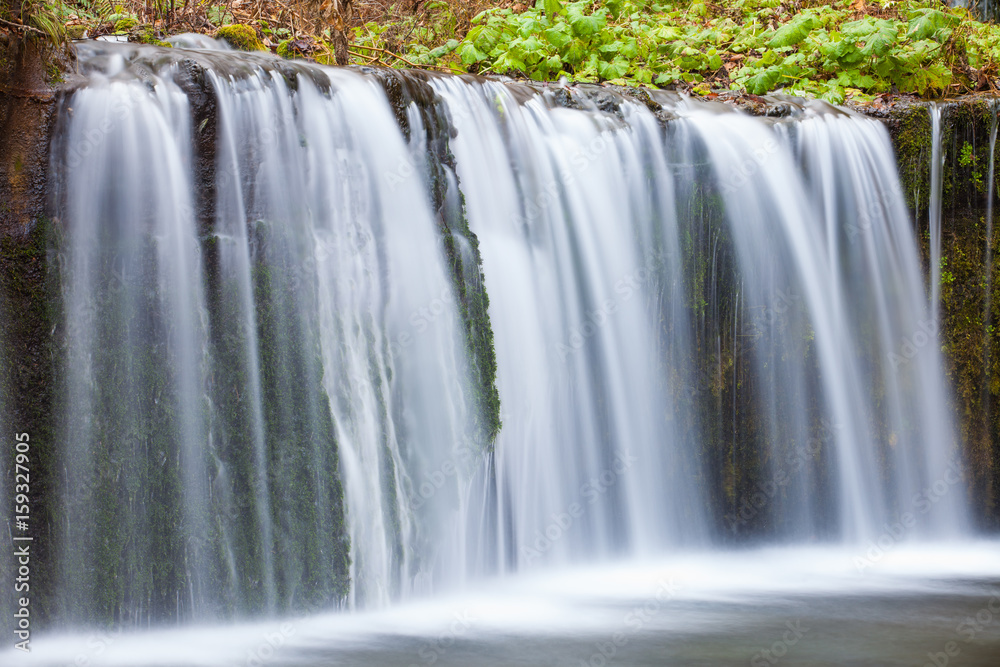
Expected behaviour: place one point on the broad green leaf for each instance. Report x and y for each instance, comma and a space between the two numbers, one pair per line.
834, 94
643, 75
925, 22
470, 54
762, 80
487, 39
667, 77
558, 37
794, 31
614, 69
575, 53
585, 25
529, 26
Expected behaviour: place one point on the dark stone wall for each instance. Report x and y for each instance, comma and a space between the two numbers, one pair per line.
27, 100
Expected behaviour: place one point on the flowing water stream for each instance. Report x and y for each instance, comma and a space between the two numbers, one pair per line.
712, 334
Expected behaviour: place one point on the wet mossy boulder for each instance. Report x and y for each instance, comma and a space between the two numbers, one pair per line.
147, 35
124, 25
285, 49
241, 37
76, 31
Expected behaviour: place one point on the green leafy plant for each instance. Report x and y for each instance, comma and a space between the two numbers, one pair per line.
822, 50
219, 15
967, 158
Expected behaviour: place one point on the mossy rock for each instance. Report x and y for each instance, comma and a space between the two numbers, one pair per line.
241, 37
146, 35
75, 31
123, 25
285, 49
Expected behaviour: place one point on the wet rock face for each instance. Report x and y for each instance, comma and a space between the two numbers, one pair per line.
26, 104
27, 110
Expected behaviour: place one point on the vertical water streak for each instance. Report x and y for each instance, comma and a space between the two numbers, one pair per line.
351, 253
934, 209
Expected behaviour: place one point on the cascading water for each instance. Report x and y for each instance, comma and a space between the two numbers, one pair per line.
595, 458
708, 328
229, 369
578, 215
134, 372
934, 210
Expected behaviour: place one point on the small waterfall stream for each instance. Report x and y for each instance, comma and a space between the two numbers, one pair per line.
709, 329
934, 209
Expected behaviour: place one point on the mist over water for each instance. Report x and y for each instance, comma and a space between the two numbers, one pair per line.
712, 331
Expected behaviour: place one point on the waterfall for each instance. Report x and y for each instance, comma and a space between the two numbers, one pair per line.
934, 208
231, 368
275, 352
579, 215
986, 10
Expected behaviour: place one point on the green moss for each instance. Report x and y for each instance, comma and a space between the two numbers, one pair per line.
30, 382
148, 36
54, 73
241, 37
911, 133
123, 25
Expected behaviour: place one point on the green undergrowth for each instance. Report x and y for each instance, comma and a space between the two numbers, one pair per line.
833, 50
848, 49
